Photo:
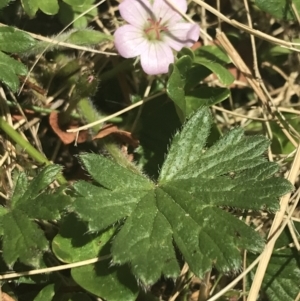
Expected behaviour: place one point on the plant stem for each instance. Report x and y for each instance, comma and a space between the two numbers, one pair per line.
30, 150
123, 66
90, 114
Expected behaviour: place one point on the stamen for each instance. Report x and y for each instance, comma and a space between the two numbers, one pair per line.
155, 25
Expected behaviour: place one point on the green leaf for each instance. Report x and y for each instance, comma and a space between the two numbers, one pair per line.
69, 12
176, 83
213, 53
75, 2
100, 167
16, 67
280, 9
74, 244
155, 133
182, 152
49, 7
9, 70
224, 76
8, 77
88, 37
22, 237
45, 177
175, 90
15, 41
109, 282
30, 7
205, 96
195, 75
186, 52
47, 293
4, 3
186, 205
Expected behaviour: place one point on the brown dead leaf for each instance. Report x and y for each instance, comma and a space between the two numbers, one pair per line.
64, 136
123, 137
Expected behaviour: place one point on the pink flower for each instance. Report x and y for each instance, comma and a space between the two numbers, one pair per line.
154, 28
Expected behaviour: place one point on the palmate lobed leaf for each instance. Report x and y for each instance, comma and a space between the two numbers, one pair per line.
22, 237
186, 206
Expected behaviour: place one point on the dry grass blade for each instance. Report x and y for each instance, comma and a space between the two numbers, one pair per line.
248, 29
239, 63
279, 217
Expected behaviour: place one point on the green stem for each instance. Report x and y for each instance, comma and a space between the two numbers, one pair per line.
30, 150
123, 66
90, 114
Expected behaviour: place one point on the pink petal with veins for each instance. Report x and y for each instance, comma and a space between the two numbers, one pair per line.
129, 41
182, 35
180, 4
167, 14
135, 12
157, 58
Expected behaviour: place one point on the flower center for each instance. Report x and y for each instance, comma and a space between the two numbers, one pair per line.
154, 29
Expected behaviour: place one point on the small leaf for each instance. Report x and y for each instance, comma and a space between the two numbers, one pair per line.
15, 41
224, 76
49, 7
68, 12
184, 64
46, 206
175, 90
176, 84
8, 77
44, 178
75, 2
9, 70
214, 53
205, 96
47, 293
186, 52
88, 37
30, 7
109, 282
195, 75
22, 239
17, 67
280, 9
74, 244
4, 3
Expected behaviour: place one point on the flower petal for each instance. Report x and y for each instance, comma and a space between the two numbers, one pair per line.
181, 35
163, 10
135, 12
129, 41
157, 58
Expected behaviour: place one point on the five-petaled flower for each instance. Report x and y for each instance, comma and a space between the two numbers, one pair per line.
154, 28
